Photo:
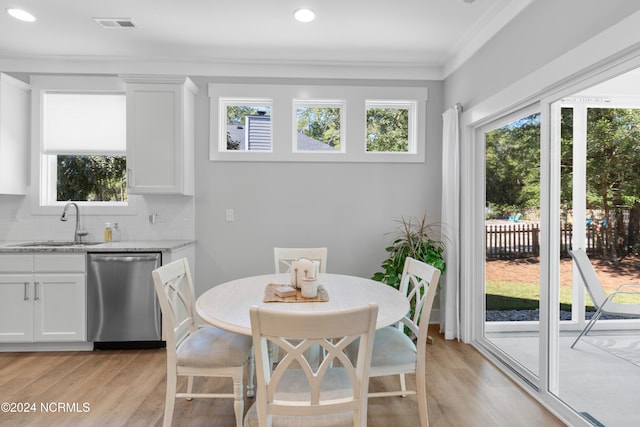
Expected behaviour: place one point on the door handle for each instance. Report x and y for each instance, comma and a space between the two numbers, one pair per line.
26, 291
36, 297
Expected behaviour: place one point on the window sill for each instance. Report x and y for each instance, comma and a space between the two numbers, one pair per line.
88, 208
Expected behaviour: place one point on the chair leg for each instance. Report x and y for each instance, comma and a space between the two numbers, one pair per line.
252, 368
170, 400
421, 394
589, 325
238, 401
403, 384
190, 386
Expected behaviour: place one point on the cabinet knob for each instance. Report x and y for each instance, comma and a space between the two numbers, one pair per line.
26, 291
36, 296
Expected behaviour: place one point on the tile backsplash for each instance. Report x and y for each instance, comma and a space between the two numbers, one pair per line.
156, 218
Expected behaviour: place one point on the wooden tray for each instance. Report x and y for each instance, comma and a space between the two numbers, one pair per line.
270, 295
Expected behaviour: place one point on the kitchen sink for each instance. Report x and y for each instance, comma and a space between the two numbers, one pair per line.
52, 243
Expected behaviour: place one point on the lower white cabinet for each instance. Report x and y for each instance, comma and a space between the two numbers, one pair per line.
42, 298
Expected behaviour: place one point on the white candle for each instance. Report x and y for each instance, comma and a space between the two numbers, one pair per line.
309, 287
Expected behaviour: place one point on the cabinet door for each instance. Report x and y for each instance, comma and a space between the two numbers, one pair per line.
16, 308
59, 304
14, 135
154, 138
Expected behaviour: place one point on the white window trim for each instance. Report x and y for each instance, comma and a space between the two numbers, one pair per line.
41, 170
321, 103
283, 121
222, 122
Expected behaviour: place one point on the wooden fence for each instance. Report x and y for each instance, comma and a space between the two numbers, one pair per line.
522, 240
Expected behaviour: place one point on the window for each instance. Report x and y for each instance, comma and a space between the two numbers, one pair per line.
319, 126
83, 147
318, 122
80, 154
390, 126
245, 125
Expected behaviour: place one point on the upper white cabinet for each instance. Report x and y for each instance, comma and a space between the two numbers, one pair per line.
14, 135
160, 134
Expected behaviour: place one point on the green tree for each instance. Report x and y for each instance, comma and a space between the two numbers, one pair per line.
91, 178
512, 161
237, 113
613, 161
566, 160
321, 123
388, 129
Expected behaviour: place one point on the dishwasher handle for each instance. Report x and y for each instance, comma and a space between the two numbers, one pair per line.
127, 259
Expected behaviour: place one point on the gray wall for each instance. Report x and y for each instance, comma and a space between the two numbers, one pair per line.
544, 31
347, 207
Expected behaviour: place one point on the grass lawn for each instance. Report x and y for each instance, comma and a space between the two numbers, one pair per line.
523, 296
514, 284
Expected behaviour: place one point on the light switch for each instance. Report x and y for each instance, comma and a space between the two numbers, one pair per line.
229, 215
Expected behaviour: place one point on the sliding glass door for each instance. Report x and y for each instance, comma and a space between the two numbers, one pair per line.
512, 237
561, 175
600, 198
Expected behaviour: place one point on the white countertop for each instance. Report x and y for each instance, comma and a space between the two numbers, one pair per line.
122, 246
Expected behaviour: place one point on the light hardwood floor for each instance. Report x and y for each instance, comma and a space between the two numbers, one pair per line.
127, 388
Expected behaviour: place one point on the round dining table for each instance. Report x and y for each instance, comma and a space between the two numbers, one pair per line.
226, 306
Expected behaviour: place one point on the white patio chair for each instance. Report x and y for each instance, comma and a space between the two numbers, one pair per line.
194, 351
297, 392
604, 304
395, 353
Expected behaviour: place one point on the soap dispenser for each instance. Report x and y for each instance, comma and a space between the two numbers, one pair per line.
108, 232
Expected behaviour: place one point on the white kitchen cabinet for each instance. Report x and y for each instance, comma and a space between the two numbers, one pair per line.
14, 135
16, 308
42, 298
160, 135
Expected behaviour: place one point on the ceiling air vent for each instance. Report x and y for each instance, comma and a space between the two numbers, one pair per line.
115, 22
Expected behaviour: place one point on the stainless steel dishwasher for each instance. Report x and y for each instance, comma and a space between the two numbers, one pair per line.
122, 307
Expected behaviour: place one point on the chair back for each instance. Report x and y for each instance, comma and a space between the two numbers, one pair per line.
174, 289
589, 277
301, 387
419, 283
285, 256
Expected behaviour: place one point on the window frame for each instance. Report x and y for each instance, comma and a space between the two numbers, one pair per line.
354, 93
44, 166
319, 103
225, 102
412, 107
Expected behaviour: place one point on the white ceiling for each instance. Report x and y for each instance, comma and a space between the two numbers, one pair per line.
432, 34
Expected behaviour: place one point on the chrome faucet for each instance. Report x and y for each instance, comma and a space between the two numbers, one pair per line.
78, 233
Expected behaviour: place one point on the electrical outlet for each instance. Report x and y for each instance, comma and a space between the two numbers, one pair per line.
229, 215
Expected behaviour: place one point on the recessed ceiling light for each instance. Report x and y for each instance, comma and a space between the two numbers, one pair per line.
20, 14
304, 15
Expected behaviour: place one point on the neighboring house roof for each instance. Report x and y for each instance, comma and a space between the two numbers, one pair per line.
305, 143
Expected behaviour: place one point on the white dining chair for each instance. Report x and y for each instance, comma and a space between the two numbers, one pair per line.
396, 353
195, 351
298, 391
283, 257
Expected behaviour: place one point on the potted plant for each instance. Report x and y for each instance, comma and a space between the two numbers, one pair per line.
417, 239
